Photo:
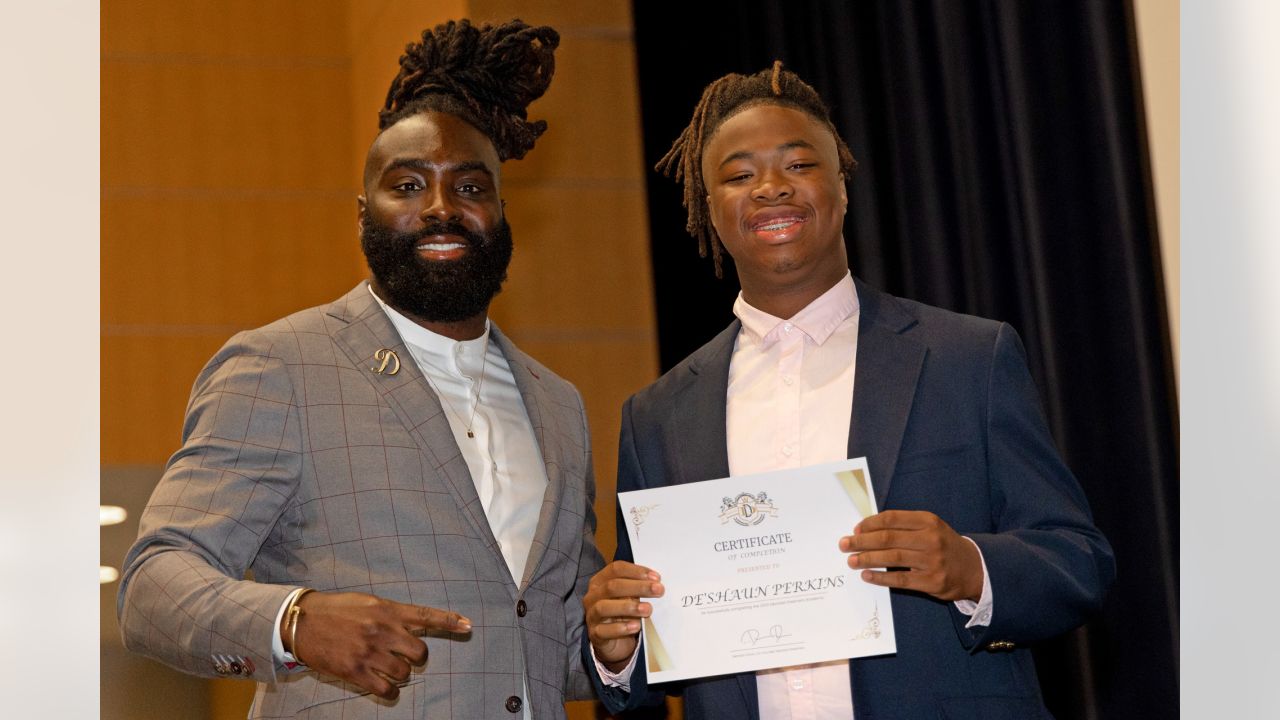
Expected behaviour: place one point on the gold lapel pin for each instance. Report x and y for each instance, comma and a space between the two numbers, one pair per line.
386, 358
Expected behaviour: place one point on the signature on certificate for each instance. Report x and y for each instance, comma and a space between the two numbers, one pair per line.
753, 637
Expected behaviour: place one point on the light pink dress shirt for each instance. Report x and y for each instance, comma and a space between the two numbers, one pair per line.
789, 399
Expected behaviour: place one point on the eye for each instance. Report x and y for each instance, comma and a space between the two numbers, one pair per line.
407, 186
470, 189
738, 177
802, 165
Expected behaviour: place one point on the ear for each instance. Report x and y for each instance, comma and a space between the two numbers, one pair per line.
844, 193
362, 205
711, 214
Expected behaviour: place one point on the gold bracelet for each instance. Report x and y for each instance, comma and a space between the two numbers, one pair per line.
292, 613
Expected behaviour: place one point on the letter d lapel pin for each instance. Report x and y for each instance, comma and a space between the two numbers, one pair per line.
389, 362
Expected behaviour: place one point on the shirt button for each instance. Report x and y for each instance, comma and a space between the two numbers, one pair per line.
787, 327
797, 684
788, 379
787, 450
514, 704
521, 608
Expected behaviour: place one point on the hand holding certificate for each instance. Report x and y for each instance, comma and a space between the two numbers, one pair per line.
752, 574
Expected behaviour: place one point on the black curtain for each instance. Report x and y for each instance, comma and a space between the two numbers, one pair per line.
1003, 173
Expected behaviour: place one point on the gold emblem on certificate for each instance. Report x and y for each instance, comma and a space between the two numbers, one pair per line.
747, 509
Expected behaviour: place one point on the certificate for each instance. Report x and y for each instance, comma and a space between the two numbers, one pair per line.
753, 575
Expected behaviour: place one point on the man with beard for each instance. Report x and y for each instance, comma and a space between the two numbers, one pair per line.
411, 493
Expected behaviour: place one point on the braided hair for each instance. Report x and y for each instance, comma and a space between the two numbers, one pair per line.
721, 100
486, 76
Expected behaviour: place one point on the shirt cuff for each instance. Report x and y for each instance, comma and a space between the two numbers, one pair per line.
980, 612
277, 643
620, 679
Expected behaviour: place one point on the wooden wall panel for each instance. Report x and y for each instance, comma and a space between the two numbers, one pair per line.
592, 113
226, 196
229, 259
377, 31
217, 123
247, 31
578, 259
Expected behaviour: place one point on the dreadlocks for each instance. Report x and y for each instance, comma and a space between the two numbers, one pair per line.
721, 100
486, 76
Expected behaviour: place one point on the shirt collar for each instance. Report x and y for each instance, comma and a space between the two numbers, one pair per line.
817, 320
433, 345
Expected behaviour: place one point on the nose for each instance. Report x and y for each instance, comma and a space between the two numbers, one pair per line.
772, 186
440, 207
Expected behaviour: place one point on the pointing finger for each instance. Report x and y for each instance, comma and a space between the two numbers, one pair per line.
429, 618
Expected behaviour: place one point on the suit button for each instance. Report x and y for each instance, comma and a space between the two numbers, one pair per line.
514, 704
521, 609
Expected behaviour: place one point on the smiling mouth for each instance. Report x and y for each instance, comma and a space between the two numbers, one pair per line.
778, 229
440, 250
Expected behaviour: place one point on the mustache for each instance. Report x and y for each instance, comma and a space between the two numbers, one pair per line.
445, 228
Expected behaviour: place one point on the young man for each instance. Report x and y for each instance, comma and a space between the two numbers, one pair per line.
389, 466
989, 534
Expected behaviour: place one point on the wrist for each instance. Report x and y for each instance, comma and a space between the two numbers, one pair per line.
622, 651
289, 624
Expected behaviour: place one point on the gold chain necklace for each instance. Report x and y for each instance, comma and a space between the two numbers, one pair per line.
475, 404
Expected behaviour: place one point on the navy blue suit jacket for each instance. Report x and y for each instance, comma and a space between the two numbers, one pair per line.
949, 420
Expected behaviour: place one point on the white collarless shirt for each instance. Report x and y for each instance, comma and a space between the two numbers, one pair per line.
478, 392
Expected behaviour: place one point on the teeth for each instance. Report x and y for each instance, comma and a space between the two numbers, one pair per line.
777, 225
440, 247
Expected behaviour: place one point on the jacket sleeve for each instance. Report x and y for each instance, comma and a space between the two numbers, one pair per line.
590, 561
183, 598
630, 477
1049, 565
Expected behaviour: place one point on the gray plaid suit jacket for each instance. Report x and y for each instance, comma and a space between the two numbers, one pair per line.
304, 467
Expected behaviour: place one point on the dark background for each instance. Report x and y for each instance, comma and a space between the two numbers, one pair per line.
1003, 172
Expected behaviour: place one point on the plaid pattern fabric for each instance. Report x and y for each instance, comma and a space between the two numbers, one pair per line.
303, 466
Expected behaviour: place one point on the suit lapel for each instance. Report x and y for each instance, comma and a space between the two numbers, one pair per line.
539, 406
885, 375
367, 330
697, 427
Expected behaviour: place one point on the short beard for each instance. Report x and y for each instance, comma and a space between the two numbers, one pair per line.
437, 290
